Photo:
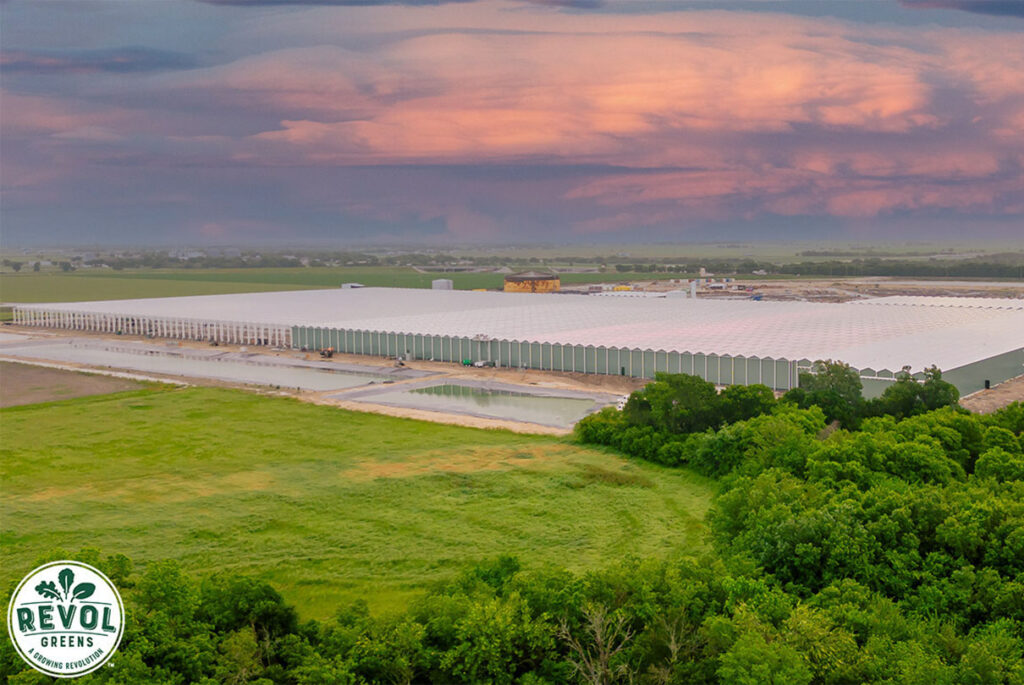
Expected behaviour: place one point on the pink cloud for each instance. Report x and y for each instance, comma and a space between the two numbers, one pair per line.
609, 97
726, 114
38, 114
685, 89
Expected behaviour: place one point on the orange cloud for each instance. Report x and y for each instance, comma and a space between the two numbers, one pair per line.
735, 98
606, 97
682, 115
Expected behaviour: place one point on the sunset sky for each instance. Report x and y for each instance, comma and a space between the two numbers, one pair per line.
498, 121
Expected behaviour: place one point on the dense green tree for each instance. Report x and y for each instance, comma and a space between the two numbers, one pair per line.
676, 403
937, 393
835, 387
1011, 418
753, 660
999, 464
741, 402
230, 603
900, 399
908, 397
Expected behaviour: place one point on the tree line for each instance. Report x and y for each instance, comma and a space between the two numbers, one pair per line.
668, 419
992, 267
1008, 265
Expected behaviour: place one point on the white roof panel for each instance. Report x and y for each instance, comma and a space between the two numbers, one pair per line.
882, 333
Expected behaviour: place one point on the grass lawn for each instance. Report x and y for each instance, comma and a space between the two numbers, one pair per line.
328, 505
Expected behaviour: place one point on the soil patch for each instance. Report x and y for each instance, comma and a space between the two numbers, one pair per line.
995, 398
27, 384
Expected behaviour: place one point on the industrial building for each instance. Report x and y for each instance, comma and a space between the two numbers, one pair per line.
972, 340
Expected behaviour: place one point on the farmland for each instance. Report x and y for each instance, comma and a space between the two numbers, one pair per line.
107, 284
328, 505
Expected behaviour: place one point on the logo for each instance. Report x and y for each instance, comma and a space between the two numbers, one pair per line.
66, 619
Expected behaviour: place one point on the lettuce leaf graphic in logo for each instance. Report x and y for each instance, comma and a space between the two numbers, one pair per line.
83, 591
67, 579
48, 589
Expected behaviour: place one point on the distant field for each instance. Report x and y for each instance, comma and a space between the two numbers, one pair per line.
80, 288
328, 505
106, 284
116, 285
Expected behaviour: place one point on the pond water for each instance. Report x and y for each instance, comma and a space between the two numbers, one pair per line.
148, 359
561, 412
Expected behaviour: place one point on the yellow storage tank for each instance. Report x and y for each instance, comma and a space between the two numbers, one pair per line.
533, 282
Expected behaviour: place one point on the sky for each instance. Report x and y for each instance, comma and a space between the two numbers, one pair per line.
338, 122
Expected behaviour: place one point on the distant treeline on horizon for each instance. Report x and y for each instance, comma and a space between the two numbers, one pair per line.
1006, 265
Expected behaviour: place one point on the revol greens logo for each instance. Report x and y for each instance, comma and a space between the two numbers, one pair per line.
66, 619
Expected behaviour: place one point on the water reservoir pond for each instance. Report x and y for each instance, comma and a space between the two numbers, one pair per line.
561, 412
146, 359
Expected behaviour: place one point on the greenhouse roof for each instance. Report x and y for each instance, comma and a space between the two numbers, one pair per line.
882, 333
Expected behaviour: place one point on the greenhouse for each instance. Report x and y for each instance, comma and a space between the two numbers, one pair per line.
721, 369
726, 341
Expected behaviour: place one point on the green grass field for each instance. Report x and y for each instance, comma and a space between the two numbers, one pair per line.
328, 505
106, 284
83, 288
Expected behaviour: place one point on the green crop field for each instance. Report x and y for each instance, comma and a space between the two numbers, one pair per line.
328, 505
106, 284
80, 288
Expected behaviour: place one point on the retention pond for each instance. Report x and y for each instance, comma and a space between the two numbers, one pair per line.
233, 368
487, 400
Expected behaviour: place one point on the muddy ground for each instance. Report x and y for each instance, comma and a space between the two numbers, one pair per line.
998, 397
26, 384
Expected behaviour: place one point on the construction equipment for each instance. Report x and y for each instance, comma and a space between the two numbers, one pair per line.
327, 353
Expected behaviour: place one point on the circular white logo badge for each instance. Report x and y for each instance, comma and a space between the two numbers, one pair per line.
66, 619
